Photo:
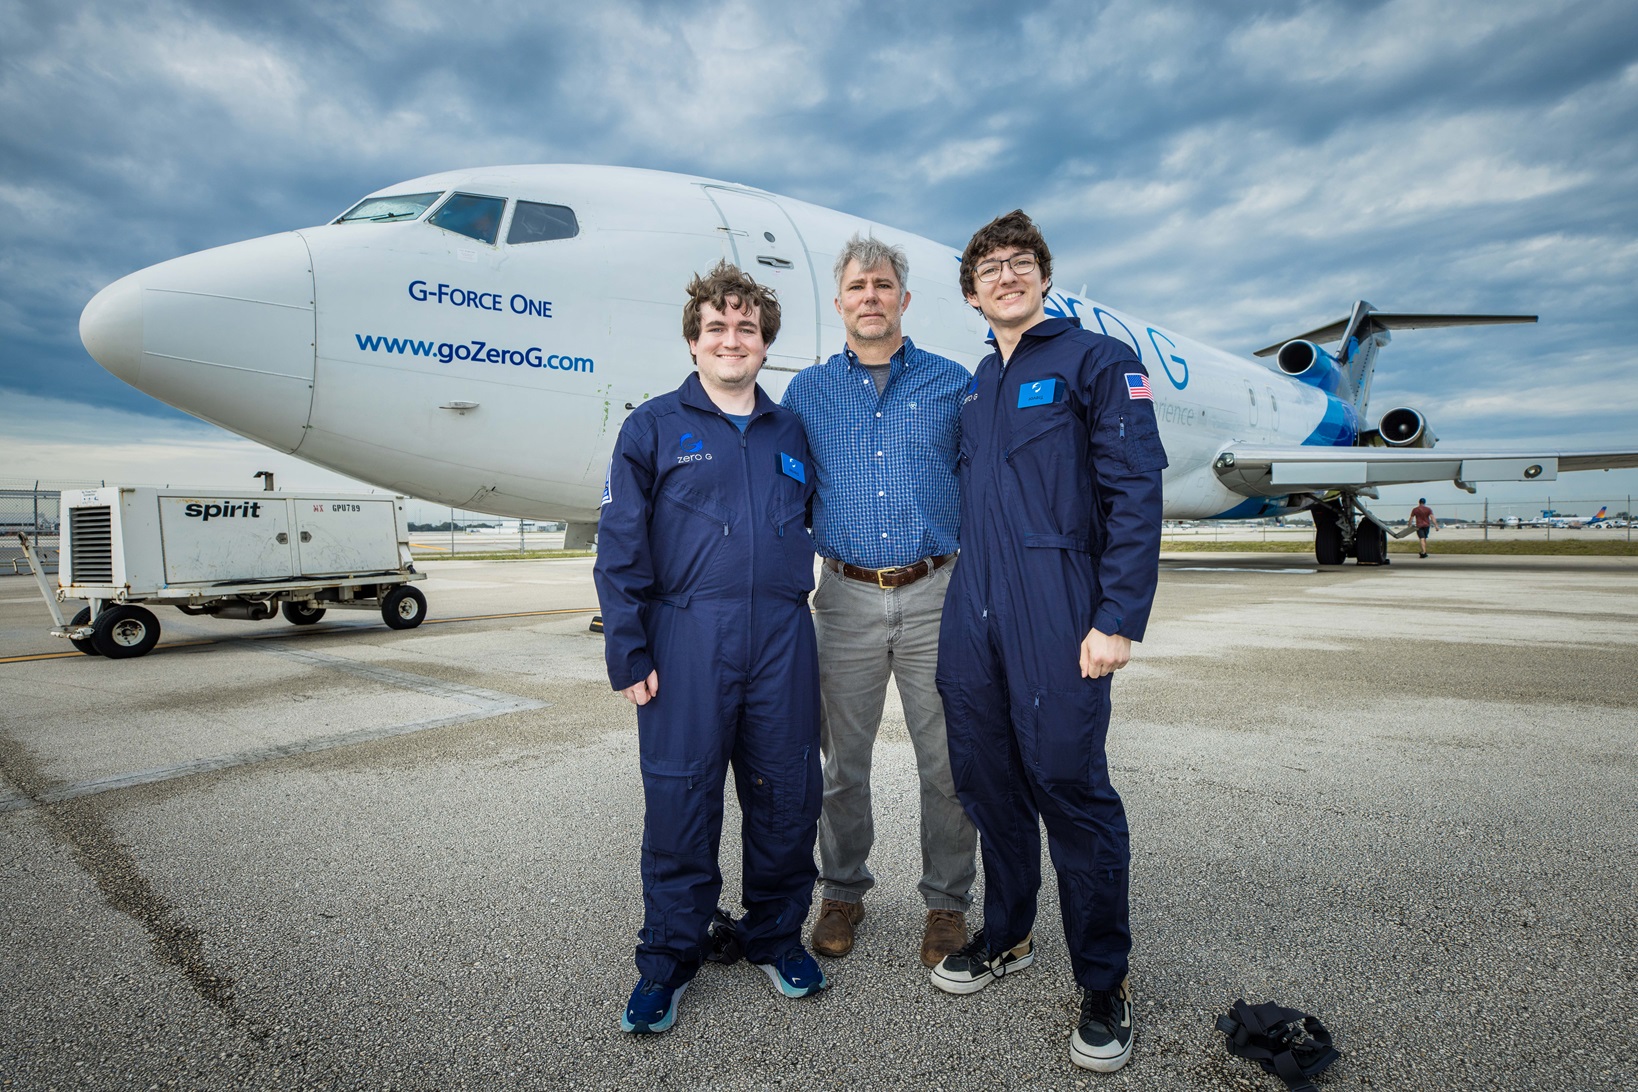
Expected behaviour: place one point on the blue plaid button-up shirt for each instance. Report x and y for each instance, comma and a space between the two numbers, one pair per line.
885, 464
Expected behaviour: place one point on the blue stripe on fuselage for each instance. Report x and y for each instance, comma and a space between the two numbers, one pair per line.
1253, 508
1338, 428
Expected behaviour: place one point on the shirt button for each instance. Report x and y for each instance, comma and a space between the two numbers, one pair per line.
881, 492
878, 454
878, 414
884, 534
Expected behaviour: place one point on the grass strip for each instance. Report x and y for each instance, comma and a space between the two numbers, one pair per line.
1494, 547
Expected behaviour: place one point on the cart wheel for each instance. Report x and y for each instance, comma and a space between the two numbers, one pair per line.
124, 632
403, 608
84, 644
300, 614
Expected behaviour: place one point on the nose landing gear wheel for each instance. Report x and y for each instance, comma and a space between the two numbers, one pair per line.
403, 608
125, 632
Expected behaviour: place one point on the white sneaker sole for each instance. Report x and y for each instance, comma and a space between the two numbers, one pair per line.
785, 987
1083, 1056
962, 986
663, 1023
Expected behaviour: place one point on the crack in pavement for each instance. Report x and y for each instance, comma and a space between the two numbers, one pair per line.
78, 826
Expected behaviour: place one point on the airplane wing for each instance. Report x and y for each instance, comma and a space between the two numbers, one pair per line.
1276, 471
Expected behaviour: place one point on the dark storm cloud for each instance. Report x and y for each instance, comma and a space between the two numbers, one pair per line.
1235, 174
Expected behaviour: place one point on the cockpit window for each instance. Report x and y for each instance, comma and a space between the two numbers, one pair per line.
535, 223
470, 215
381, 210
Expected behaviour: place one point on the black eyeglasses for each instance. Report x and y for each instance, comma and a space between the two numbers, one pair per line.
1022, 265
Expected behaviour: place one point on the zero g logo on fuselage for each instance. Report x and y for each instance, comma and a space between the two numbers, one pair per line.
218, 510
691, 447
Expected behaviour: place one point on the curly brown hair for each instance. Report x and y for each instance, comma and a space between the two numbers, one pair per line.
1015, 229
724, 287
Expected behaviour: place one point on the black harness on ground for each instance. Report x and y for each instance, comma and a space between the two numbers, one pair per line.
723, 943
1287, 1043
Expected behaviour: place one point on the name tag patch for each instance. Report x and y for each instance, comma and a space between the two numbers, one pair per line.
793, 468
1042, 392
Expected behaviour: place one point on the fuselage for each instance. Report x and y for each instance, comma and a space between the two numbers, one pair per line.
494, 375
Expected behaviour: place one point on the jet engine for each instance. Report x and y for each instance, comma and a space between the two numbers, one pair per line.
1405, 427
1311, 364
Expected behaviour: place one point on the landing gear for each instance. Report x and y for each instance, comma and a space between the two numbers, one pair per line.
1370, 543
1328, 527
1338, 535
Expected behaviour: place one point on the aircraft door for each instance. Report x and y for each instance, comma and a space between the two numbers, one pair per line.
767, 246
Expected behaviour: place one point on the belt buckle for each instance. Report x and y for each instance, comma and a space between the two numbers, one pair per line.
882, 583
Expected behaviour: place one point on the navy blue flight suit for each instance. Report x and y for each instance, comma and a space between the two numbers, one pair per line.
703, 572
1060, 533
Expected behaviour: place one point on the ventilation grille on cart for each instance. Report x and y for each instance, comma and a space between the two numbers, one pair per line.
91, 545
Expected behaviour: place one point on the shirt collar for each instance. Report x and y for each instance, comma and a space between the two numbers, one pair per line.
904, 354
693, 394
1047, 328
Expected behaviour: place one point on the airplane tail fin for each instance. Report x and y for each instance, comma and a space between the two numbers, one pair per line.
1363, 334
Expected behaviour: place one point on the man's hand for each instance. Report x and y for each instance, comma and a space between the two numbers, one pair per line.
1103, 654
644, 692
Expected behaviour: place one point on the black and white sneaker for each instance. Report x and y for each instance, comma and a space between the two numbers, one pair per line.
1103, 1042
973, 966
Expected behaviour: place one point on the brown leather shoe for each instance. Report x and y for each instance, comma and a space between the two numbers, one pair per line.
833, 932
946, 931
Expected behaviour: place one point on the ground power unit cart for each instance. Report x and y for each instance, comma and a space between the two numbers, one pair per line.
247, 555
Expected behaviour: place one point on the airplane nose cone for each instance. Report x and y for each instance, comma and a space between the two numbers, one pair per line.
226, 335
111, 328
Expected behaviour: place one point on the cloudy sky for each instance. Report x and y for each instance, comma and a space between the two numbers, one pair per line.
1237, 172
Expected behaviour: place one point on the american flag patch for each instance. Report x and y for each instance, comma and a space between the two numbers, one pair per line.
1137, 386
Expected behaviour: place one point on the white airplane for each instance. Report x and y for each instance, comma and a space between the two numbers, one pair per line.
475, 338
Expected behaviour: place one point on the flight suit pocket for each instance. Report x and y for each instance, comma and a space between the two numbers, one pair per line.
1035, 424
780, 798
677, 820
794, 544
1135, 439
1063, 734
694, 502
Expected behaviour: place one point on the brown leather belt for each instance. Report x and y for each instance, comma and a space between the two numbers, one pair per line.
890, 578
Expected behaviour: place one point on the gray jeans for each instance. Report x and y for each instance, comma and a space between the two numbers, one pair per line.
866, 633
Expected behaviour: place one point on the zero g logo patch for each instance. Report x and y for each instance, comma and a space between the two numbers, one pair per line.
972, 391
691, 447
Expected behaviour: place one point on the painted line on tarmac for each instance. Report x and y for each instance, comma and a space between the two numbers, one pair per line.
1232, 569
484, 704
309, 631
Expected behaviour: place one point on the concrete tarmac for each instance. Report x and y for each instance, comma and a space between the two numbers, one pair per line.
347, 857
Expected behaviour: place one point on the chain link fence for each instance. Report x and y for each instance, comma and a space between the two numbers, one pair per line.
31, 507
1547, 518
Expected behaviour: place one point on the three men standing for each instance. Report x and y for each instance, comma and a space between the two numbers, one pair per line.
1060, 528
703, 571
881, 419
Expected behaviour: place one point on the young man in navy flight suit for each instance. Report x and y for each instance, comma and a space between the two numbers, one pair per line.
1060, 533
703, 572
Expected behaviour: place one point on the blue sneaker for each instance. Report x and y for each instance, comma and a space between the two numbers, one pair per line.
652, 1008
795, 974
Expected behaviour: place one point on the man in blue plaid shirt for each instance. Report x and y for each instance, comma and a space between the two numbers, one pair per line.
882, 418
